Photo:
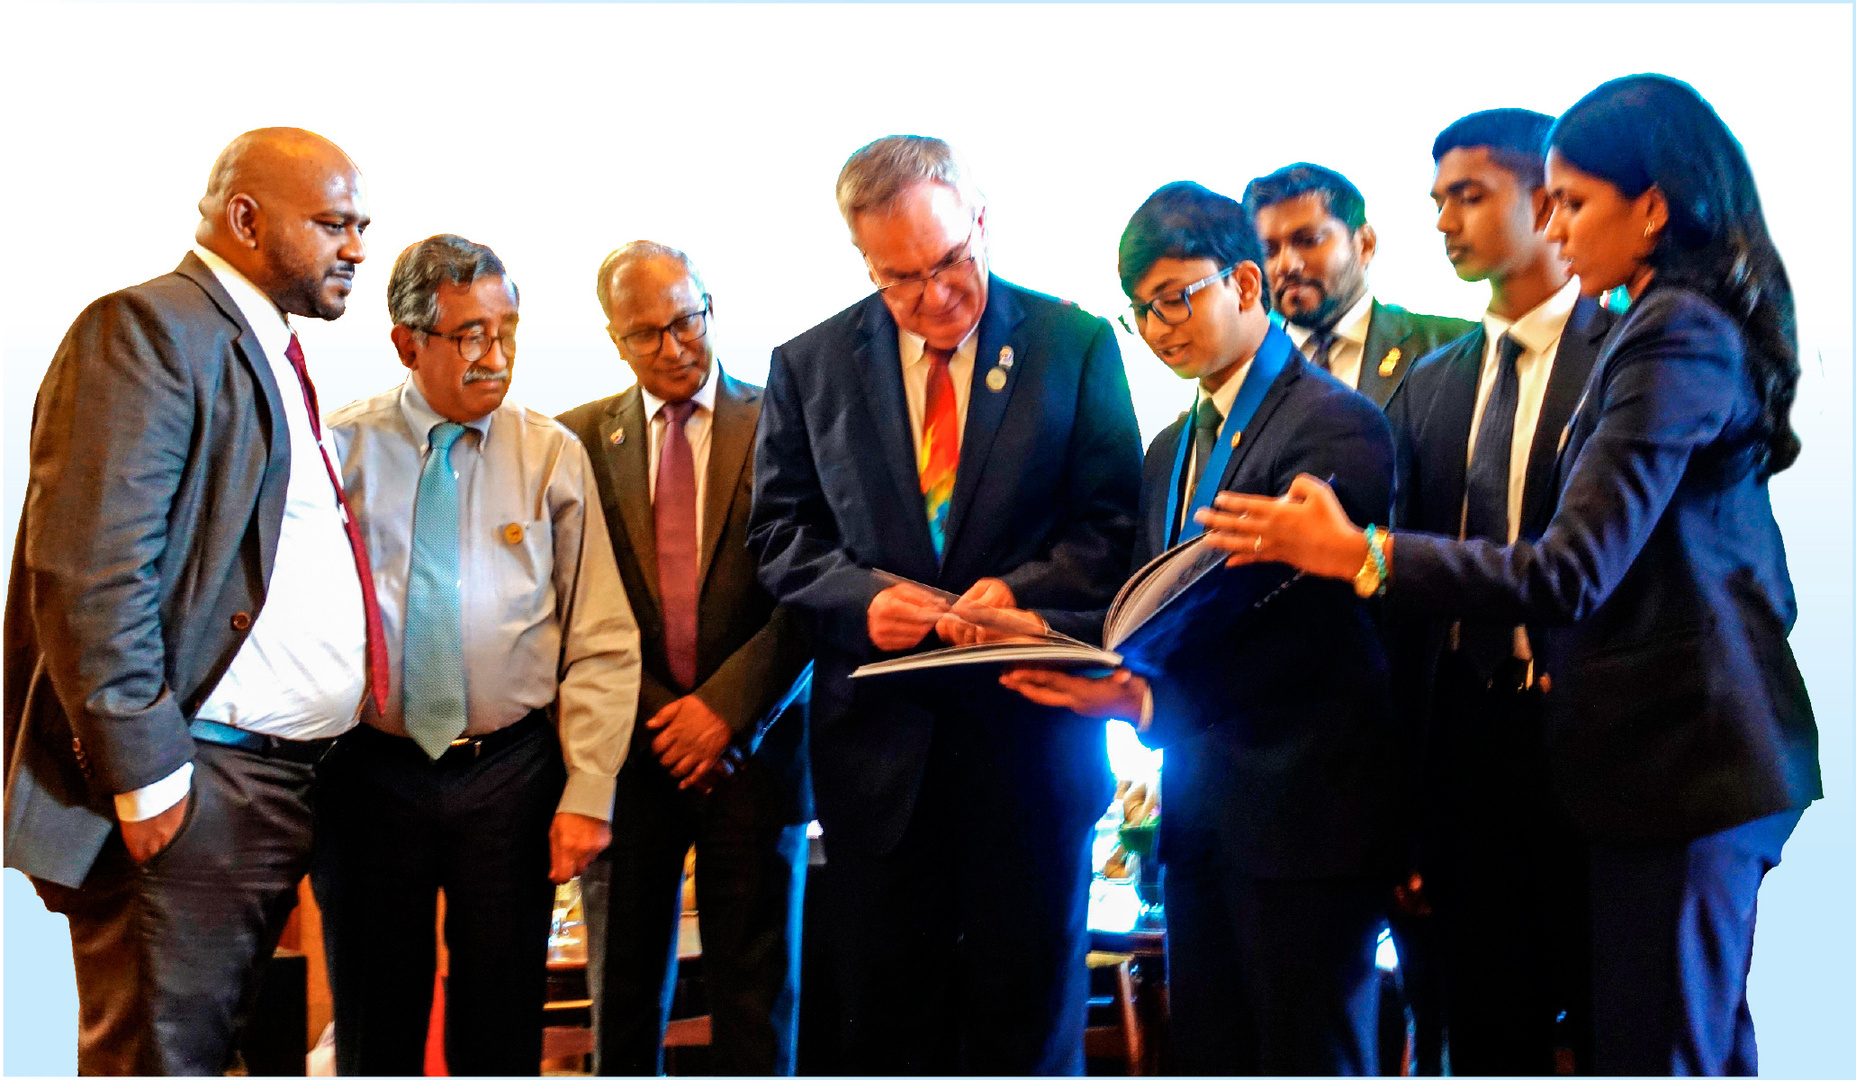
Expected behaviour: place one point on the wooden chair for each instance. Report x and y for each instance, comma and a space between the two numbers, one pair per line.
1121, 1037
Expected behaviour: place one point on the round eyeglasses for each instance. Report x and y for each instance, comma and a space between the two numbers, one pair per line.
688, 328
474, 344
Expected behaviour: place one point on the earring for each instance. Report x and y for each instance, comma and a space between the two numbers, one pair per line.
1648, 231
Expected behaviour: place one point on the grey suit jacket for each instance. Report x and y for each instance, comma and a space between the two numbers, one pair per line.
749, 651
159, 459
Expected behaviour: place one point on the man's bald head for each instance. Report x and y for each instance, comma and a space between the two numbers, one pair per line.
284, 207
657, 313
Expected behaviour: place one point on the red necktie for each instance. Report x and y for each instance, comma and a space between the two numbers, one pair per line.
674, 507
377, 675
939, 456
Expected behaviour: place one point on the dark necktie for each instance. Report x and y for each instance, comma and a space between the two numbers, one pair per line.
377, 675
674, 506
1205, 422
1485, 498
1320, 343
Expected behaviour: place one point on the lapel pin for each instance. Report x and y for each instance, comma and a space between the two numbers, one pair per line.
995, 379
618, 437
1390, 363
1236, 437
512, 533
1005, 358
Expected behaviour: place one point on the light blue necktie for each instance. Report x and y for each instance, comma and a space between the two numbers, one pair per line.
432, 686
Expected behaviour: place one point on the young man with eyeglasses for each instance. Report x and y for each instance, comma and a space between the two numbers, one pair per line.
959, 431
711, 765
515, 667
1278, 800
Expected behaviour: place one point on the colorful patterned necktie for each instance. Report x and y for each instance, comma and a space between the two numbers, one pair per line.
377, 673
432, 685
674, 507
940, 450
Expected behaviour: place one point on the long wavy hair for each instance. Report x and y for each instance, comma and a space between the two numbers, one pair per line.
1651, 130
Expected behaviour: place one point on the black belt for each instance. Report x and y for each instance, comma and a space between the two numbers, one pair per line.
304, 751
469, 748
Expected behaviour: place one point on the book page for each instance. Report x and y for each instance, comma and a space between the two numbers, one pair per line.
1155, 585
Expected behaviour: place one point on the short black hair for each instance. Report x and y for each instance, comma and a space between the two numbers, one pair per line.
1184, 220
1343, 200
1516, 139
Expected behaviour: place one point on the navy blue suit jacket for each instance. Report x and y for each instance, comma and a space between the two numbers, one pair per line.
1044, 499
1658, 592
1292, 770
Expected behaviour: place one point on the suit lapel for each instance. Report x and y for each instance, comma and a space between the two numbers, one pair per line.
1384, 332
731, 437
625, 448
985, 406
877, 365
1265, 409
1450, 418
270, 524
1572, 366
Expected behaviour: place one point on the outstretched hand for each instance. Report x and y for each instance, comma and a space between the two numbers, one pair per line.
1116, 696
1306, 528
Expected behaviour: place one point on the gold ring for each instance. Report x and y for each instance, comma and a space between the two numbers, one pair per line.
1258, 546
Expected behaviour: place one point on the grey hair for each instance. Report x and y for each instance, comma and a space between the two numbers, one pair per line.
635, 252
880, 171
445, 259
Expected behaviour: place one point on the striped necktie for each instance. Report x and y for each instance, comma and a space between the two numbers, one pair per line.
432, 687
940, 450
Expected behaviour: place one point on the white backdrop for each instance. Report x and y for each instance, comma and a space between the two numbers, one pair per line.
556, 133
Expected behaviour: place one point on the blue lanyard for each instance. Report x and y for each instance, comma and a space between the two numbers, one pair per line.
1272, 356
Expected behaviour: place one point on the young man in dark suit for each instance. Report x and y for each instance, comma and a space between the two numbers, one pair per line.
1314, 229
191, 618
674, 460
1278, 798
1479, 427
955, 430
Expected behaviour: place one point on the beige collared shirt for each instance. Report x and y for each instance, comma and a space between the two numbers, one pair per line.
1349, 348
546, 619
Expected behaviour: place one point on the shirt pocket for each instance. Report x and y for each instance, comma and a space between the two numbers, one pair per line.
524, 567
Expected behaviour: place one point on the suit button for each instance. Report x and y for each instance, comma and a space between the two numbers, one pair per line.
241, 621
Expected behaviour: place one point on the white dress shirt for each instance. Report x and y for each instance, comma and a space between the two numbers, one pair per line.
302, 670
1539, 332
696, 429
1349, 348
915, 368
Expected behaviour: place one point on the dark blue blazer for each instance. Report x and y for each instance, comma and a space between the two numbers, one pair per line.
1658, 592
1292, 770
1430, 433
1044, 498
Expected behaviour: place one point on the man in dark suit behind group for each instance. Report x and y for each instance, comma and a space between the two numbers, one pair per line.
1314, 229
673, 457
1478, 429
190, 620
1278, 808
959, 431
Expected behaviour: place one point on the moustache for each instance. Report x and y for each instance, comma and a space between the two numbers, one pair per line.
1286, 283
477, 374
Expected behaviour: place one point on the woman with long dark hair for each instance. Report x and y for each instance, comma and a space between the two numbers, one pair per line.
1680, 737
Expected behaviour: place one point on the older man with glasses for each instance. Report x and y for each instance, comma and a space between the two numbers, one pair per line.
709, 767
515, 668
965, 434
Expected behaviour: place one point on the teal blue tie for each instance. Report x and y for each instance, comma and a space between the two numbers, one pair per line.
432, 686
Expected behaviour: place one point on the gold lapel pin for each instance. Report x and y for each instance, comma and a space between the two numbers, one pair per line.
1390, 363
1236, 437
1005, 358
512, 533
995, 380
618, 437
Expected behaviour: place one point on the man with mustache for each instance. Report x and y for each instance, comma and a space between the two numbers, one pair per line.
490, 769
1478, 428
1319, 244
189, 623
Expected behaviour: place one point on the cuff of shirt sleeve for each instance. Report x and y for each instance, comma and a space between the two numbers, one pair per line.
146, 802
589, 794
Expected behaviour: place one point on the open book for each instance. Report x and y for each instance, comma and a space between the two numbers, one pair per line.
1184, 590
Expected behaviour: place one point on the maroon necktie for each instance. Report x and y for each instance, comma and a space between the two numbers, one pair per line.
674, 505
376, 637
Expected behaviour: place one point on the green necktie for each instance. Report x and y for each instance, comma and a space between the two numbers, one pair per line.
432, 663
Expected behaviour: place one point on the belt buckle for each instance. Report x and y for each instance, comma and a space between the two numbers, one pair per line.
474, 742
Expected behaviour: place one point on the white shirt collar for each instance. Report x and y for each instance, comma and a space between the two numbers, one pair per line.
1542, 325
1226, 395
270, 324
704, 397
421, 419
1351, 326
914, 345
